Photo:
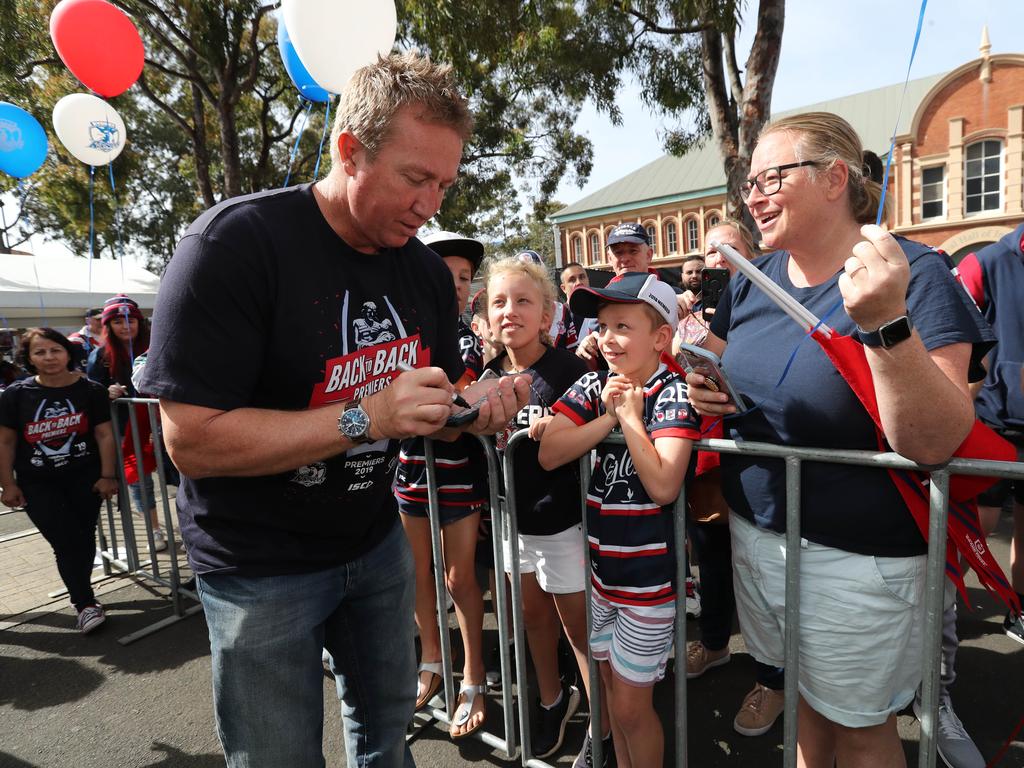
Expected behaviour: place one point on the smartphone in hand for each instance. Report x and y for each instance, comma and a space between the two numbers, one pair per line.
713, 282
699, 360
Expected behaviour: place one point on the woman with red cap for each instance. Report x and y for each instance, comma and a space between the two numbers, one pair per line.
124, 337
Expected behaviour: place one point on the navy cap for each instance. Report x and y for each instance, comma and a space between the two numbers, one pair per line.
529, 257
629, 233
628, 288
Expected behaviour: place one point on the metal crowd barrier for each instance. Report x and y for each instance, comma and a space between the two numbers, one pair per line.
505, 526
131, 564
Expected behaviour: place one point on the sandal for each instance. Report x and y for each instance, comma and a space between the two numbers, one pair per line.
463, 713
423, 695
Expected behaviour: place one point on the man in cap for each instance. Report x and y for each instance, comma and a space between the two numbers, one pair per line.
284, 416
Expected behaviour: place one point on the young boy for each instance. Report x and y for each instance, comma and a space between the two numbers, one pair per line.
631, 496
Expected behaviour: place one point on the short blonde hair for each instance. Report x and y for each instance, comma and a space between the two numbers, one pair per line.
541, 278
741, 229
827, 138
377, 92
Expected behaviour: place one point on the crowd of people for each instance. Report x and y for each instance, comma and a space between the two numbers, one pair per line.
304, 504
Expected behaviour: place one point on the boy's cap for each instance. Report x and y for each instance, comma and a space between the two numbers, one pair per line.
629, 288
629, 233
477, 305
454, 244
529, 257
94, 311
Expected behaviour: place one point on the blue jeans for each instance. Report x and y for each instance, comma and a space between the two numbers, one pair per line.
266, 638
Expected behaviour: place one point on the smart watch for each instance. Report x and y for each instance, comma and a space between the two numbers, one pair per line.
354, 423
888, 334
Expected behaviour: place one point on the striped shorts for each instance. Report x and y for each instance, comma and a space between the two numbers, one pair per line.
635, 640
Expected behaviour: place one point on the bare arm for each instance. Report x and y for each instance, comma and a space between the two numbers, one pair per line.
12, 495
660, 464
564, 441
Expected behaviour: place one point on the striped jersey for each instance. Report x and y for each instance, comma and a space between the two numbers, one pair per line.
630, 536
461, 468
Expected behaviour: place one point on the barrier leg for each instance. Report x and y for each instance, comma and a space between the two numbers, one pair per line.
792, 694
596, 737
934, 588
439, 579
682, 721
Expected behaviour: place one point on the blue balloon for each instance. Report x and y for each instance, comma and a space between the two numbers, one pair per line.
296, 70
23, 142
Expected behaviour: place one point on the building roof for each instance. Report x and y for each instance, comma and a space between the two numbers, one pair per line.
699, 173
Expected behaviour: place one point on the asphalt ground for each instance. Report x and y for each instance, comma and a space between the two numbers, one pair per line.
75, 701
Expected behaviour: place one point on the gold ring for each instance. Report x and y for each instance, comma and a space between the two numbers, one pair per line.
856, 270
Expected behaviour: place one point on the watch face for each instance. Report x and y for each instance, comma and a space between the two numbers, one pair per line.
355, 423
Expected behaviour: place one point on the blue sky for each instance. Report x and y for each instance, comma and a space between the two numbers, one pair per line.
829, 48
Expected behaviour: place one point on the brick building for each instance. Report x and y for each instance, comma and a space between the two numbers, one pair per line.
955, 183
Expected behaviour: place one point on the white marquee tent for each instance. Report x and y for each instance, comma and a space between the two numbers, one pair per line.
57, 291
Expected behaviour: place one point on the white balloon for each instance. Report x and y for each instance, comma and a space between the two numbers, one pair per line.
334, 38
89, 128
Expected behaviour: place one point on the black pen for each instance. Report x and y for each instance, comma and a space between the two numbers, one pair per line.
456, 397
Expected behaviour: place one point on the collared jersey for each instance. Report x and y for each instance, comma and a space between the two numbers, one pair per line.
630, 536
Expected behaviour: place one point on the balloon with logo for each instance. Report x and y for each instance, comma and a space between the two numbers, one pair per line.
98, 43
89, 128
301, 79
23, 142
368, 28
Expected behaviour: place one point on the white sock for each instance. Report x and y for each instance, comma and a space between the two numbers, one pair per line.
554, 703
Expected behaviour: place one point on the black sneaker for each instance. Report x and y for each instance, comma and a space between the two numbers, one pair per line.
1014, 627
585, 759
550, 730
568, 667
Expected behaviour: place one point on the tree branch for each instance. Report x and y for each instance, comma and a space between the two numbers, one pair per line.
167, 108
171, 25
732, 66
254, 55
652, 26
31, 65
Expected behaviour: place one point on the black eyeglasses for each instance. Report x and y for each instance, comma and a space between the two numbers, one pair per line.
769, 181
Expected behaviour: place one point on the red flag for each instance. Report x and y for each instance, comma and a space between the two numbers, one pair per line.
964, 530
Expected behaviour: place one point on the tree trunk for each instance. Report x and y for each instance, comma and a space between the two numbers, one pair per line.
229, 149
737, 118
200, 151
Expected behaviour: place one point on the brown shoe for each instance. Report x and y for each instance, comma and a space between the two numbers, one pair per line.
699, 659
759, 711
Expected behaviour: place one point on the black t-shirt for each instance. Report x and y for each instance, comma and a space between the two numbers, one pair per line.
546, 502
264, 306
55, 427
853, 508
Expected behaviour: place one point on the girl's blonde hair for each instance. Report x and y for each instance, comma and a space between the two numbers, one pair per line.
540, 277
827, 138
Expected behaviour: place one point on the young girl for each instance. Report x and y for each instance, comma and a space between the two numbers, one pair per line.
125, 336
55, 436
548, 504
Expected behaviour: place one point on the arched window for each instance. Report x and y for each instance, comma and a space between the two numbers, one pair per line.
652, 235
983, 176
671, 240
577, 249
713, 221
692, 236
595, 248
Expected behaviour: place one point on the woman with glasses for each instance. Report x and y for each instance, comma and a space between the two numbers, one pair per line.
862, 561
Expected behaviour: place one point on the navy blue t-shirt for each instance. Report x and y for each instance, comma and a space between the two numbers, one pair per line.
264, 306
857, 509
995, 278
546, 502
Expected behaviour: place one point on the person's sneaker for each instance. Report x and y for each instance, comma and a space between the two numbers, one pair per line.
551, 722
90, 617
159, 540
1014, 628
953, 743
692, 598
585, 759
699, 659
759, 711
492, 675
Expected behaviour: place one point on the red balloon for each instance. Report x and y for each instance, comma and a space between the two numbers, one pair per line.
98, 43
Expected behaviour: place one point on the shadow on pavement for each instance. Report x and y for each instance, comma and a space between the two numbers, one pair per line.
28, 683
10, 761
173, 756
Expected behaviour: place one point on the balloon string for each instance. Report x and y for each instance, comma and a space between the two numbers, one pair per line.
23, 189
319, 154
117, 225
302, 129
92, 221
899, 114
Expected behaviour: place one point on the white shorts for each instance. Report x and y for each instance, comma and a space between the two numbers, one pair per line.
557, 560
861, 622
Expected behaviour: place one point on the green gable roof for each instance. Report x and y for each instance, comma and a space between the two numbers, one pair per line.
699, 172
